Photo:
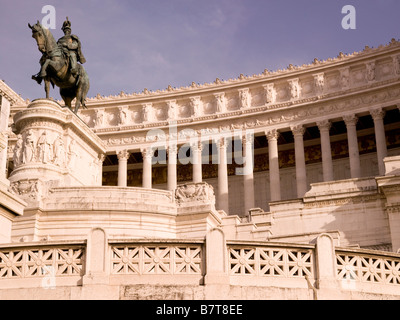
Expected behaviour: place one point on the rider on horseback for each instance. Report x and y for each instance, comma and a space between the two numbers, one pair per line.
71, 47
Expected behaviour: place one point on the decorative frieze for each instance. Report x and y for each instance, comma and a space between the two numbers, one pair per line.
197, 106
319, 83
220, 102
244, 98
370, 71
270, 93
294, 89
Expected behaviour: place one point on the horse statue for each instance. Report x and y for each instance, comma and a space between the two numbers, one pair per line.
56, 66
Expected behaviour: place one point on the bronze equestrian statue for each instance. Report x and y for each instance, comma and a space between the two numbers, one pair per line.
59, 64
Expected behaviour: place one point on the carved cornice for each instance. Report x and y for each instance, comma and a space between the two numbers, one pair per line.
317, 66
10, 95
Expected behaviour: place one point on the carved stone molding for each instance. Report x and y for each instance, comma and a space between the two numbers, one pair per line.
193, 192
27, 189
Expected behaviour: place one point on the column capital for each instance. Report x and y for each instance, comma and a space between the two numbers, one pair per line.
298, 130
123, 155
147, 153
173, 148
272, 134
197, 146
222, 142
350, 120
377, 113
324, 125
102, 157
248, 139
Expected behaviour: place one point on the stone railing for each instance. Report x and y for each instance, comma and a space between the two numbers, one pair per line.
164, 258
317, 270
364, 266
271, 261
38, 265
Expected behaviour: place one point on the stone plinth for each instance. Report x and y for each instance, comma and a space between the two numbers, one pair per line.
54, 148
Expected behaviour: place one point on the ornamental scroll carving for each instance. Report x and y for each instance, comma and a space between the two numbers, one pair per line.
194, 192
30, 189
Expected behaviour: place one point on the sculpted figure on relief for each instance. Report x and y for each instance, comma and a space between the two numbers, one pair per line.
17, 157
44, 150
29, 148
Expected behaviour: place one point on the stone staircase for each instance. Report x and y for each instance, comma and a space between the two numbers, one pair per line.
255, 226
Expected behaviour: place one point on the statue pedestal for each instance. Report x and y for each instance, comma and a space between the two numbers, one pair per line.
55, 149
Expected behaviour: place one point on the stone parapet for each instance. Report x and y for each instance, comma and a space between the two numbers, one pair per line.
183, 269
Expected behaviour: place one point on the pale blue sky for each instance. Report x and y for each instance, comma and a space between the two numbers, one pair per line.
132, 45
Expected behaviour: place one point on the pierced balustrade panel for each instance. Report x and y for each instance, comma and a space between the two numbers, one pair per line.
271, 262
41, 262
157, 259
367, 268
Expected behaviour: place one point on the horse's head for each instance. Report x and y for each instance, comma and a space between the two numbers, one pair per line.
39, 34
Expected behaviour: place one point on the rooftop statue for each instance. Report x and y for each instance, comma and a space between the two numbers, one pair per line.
61, 64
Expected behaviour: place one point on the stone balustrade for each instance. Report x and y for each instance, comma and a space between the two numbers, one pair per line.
114, 268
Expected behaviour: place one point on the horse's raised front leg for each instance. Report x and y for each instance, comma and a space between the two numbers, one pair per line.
43, 72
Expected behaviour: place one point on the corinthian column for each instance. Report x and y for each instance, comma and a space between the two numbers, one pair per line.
301, 174
172, 167
147, 154
197, 149
355, 168
4, 115
123, 157
380, 137
327, 165
248, 172
223, 191
274, 176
